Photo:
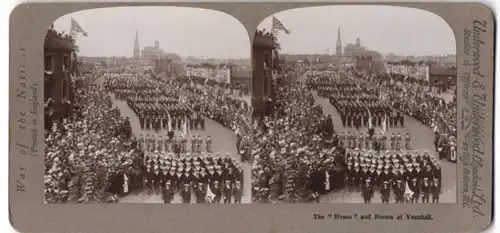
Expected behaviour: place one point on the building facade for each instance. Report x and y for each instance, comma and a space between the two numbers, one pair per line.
59, 66
364, 64
163, 66
150, 54
242, 78
443, 76
354, 50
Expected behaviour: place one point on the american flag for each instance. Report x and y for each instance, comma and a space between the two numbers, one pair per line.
76, 28
278, 26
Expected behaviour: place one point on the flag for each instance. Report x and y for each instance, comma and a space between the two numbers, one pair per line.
327, 181
408, 192
369, 120
184, 127
278, 26
210, 195
384, 125
169, 123
76, 28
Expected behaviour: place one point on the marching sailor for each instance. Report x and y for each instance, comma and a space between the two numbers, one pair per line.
186, 194
385, 192
436, 190
367, 191
426, 189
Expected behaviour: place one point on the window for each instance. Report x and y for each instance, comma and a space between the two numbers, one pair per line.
48, 63
47, 91
267, 61
65, 63
266, 86
64, 90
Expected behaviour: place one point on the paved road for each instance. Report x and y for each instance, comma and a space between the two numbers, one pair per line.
422, 139
223, 141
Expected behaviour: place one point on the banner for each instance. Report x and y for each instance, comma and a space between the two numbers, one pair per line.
417, 71
219, 74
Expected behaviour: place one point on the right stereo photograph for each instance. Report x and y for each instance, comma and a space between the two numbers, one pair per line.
354, 104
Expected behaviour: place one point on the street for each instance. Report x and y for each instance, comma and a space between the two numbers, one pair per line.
422, 139
223, 141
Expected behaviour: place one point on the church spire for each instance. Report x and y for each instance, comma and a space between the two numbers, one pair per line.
338, 48
136, 46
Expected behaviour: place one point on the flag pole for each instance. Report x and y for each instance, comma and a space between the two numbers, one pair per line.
71, 28
272, 28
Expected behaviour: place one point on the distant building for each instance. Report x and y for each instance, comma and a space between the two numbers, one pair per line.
59, 66
241, 77
150, 54
163, 66
177, 69
443, 61
364, 64
439, 75
354, 50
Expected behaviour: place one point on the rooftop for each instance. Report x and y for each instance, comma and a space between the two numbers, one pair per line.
443, 71
57, 41
242, 74
264, 40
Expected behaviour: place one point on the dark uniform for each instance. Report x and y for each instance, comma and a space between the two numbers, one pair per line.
407, 141
186, 194
209, 144
227, 191
149, 179
415, 188
216, 190
168, 193
367, 191
436, 190
350, 176
237, 192
399, 190
426, 189
385, 192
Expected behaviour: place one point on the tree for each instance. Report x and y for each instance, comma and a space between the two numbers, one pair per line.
174, 57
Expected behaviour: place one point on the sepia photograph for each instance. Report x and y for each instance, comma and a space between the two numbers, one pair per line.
147, 105
354, 104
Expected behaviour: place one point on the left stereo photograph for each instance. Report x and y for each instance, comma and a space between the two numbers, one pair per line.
151, 106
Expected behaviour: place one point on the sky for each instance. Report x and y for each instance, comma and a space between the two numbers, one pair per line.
399, 30
185, 31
